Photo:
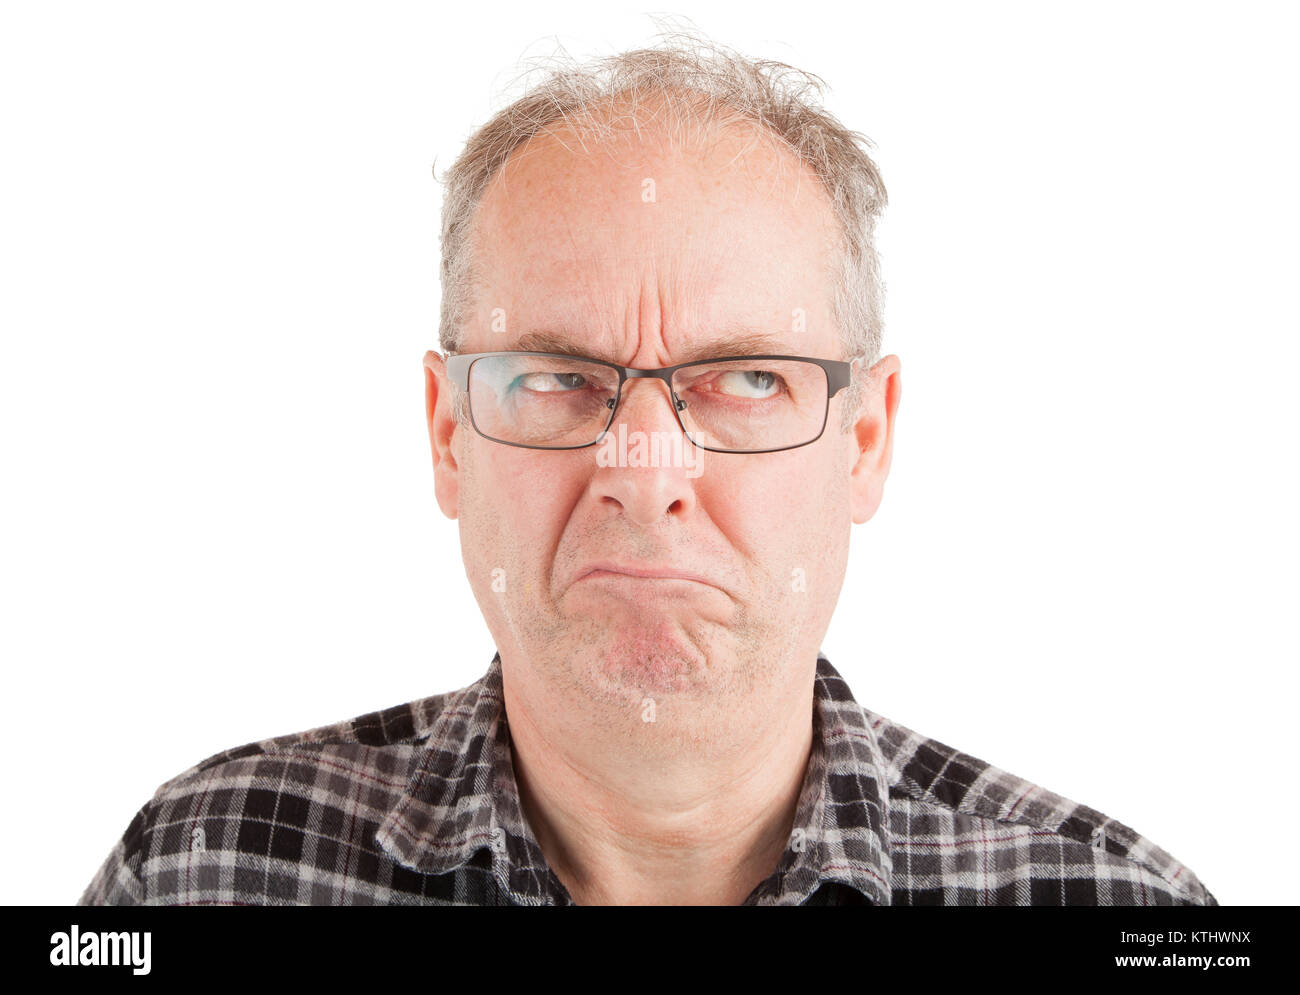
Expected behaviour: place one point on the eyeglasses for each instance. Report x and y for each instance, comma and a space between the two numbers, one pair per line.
734, 404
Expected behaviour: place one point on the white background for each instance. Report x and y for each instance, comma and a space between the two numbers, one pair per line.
218, 250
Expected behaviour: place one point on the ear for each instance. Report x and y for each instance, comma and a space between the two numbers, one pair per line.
442, 433
873, 433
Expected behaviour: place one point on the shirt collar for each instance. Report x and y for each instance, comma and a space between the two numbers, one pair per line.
461, 799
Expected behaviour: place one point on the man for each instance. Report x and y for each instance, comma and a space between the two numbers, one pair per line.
657, 556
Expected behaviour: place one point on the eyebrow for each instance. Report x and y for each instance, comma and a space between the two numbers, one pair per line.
744, 344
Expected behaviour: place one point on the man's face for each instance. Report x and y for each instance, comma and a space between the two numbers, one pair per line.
648, 256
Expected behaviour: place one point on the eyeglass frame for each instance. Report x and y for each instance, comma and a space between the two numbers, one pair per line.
838, 372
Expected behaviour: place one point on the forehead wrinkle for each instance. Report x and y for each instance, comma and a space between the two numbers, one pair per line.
683, 278
732, 342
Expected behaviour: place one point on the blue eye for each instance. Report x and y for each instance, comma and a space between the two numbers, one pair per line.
755, 384
547, 383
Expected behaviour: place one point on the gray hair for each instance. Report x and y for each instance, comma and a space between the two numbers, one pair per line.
718, 83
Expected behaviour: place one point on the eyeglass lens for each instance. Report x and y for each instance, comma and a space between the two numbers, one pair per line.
560, 402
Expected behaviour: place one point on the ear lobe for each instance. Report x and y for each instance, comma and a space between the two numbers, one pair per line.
442, 434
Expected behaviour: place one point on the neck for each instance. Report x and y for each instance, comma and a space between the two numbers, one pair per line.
694, 808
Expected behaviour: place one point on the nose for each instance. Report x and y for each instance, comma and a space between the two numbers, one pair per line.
642, 405
644, 464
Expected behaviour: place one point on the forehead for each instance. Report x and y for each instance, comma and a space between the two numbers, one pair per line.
684, 226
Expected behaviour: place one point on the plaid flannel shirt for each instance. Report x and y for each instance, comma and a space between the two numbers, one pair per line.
418, 804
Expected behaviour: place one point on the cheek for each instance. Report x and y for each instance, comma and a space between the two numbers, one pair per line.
513, 508
779, 511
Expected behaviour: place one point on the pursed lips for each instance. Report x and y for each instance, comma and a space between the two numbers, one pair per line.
641, 573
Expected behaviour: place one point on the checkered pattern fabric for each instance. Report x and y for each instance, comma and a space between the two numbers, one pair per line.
418, 804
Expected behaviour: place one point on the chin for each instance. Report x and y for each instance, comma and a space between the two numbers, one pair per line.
648, 675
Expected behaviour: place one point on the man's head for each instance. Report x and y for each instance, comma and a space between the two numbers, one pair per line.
657, 208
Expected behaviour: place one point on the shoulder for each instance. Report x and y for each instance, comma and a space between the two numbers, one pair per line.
371, 744
291, 811
963, 831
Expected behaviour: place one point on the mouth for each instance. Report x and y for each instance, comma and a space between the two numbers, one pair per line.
640, 578
640, 575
